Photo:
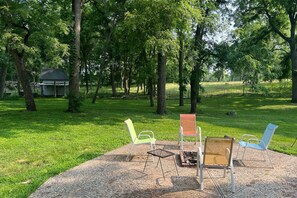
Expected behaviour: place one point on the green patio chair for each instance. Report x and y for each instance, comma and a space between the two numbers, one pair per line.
251, 141
144, 137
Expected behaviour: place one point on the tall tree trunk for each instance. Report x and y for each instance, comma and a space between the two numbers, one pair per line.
161, 95
129, 78
194, 89
86, 73
197, 70
99, 82
294, 71
97, 89
74, 100
292, 43
150, 91
126, 78
180, 72
112, 79
3, 73
23, 78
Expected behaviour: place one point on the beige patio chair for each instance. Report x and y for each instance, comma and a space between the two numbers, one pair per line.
188, 128
217, 154
144, 137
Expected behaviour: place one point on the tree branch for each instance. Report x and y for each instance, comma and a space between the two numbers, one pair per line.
274, 28
26, 28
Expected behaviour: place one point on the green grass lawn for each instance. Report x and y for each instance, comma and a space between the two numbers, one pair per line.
37, 145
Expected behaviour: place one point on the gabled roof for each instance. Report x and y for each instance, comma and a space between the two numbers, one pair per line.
54, 74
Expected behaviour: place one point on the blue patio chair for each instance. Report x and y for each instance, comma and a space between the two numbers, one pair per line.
251, 141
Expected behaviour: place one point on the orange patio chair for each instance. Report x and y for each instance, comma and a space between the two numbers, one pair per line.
188, 128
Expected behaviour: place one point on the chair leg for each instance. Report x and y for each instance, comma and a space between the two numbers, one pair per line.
178, 140
201, 178
269, 159
153, 147
243, 153
130, 152
196, 139
237, 151
145, 162
198, 167
181, 142
232, 179
264, 155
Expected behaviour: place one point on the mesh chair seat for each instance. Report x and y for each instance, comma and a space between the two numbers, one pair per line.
217, 154
251, 141
188, 128
144, 137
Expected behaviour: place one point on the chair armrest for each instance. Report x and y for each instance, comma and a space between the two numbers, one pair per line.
200, 136
142, 134
245, 136
253, 140
229, 154
256, 140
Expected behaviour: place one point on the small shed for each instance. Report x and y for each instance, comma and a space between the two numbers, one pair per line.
54, 82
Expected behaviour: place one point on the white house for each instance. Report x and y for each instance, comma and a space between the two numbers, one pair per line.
54, 82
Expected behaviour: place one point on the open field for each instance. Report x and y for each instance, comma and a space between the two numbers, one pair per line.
237, 88
38, 145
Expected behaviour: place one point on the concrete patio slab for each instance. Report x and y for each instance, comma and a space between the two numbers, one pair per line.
110, 175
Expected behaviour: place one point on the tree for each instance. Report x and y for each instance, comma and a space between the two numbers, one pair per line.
74, 98
3, 66
201, 53
151, 32
255, 55
30, 35
16, 18
279, 16
4, 62
104, 18
187, 15
161, 104
201, 46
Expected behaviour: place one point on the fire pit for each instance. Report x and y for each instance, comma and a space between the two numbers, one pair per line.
188, 158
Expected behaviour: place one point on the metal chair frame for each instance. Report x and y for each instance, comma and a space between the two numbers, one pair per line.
227, 163
184, 130
144, 137
253, 142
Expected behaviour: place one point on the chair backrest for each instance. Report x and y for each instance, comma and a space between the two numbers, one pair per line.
268, 133
188, 122
217, 151
131, 129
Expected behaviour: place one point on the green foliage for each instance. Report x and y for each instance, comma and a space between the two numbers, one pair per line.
272, 20
39, 145
34, 27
